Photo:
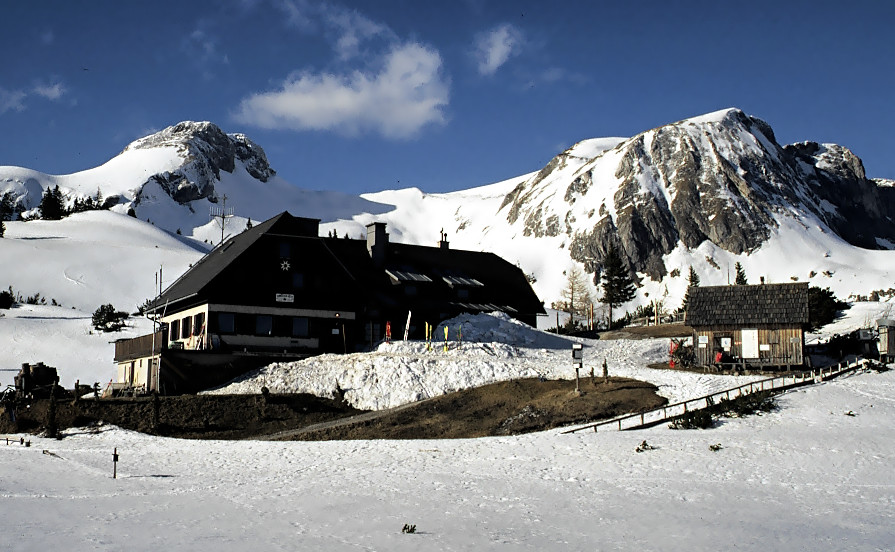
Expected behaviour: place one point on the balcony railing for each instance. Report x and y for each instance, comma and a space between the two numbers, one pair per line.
138, 347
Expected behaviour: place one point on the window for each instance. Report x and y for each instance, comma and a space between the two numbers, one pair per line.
285, 250
174, 330
185, 327
226, 322
299, 327
410, 290
298, 280
198, 323
463, 293
263, 324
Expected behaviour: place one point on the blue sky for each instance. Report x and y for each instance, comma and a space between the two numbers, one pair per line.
366, 96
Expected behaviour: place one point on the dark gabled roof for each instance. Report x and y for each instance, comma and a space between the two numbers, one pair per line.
505, 284
766, 304
251, 269
194, 280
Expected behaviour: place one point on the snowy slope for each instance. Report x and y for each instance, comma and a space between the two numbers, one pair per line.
81, 262
806, 477
92, 258
798, 249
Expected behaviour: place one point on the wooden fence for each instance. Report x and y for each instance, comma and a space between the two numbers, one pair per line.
669, 412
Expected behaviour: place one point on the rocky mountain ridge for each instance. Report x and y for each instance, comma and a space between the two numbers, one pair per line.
206, 151
721, 177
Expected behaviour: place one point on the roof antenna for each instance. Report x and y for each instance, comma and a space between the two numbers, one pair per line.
222, 213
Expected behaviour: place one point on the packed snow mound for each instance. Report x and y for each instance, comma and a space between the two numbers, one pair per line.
403, 372
498, 327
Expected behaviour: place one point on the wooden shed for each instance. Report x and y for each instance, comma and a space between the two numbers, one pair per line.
759, 326
886, 339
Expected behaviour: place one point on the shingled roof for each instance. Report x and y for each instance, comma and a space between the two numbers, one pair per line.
195, 280
342, 275
765, 304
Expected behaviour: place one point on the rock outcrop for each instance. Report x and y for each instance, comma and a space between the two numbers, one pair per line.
206, 151
721, 177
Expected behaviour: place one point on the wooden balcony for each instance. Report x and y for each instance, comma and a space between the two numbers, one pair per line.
138, 347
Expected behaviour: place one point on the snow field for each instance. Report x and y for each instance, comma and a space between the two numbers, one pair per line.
804, 477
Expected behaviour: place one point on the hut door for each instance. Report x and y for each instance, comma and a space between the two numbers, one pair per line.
750, 343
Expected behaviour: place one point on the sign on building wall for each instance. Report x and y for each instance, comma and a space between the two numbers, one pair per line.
285, 298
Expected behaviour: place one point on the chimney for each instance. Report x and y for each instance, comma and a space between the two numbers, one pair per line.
443, 243
377, 241
762, 279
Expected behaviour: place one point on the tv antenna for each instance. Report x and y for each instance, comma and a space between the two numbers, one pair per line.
223, 212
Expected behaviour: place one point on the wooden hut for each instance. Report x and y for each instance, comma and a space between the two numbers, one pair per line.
759, 326
886, 339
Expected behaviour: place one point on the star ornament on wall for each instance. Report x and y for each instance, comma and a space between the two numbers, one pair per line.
285, 266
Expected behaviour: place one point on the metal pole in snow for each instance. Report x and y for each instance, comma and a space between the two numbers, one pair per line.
115, 463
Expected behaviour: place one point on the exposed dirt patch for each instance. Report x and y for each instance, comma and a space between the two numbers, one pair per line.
187, 416
506, 408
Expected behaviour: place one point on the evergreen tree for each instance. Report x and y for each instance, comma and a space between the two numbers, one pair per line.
51, 206
107, 319
7, 207
692, 281
741, 275
618, 286
823, 307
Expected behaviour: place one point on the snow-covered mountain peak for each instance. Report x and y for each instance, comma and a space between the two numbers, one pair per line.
206, 150
720, 178
593, 147
720, 116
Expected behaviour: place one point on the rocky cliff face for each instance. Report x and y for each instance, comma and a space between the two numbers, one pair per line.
206, 151
721, 177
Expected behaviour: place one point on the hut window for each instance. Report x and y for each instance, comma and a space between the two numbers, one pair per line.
299, 327
263, 324
185, 327
226, 322
198, 323
298, 280
174, 331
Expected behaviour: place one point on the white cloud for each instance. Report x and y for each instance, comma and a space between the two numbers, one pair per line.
495, 47
346, 29
406, 93
51, 91
299, 14
352, 29
11, 100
